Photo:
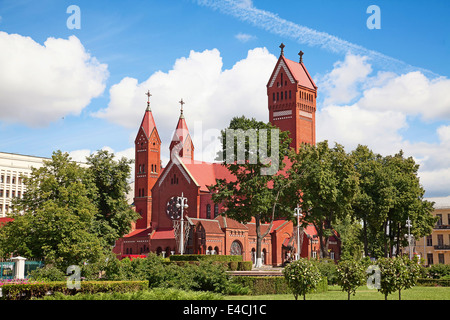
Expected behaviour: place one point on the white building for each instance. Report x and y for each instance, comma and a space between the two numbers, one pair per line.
13, 167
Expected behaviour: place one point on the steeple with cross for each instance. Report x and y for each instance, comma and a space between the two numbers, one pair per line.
148, 94
181, 102
147, 165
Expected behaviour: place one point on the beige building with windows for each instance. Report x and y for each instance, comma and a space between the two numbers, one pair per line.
13, 167
435, 249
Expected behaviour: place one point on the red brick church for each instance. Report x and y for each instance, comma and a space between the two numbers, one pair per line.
292, 104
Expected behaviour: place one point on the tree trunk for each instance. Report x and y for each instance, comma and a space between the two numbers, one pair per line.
348, 293
366, 249
258, 260
399, 294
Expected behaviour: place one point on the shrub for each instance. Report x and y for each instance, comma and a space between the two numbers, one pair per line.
48, 273
263, 285
245, 265
153, 294
232, 265
437, 271
38, 290
350, 275
302, 277
327, 268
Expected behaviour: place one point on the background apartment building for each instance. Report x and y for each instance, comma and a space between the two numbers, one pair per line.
13, 167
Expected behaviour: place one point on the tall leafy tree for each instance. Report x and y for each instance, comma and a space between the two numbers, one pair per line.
325, 180
407, 202
70, 214
254, 153
110, 177
54, 219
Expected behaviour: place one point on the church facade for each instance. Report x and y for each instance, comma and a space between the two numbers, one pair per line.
292, 97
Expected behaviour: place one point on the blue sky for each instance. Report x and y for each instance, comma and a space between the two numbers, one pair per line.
83, 91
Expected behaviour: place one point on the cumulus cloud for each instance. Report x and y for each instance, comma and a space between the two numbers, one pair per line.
212, 94
373, 110
40, 84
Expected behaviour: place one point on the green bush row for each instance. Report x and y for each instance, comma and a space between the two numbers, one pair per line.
434, 282
262, 285
39, 290
152, 294
205, 257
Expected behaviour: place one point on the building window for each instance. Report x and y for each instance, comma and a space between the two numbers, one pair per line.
208, 211
441, 258
236, 248
281, 95
429, 241
290, 94
216, 210
439, 222
430, 259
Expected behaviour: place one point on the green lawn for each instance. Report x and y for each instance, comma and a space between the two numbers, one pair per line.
335, 293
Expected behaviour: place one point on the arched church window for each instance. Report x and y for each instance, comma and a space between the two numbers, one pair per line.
208, 211
216, 210
236, 248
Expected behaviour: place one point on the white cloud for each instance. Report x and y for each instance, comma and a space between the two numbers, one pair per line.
212, 96
413, 94
341, 84
379, 113
40, 84
244, 37
351, 125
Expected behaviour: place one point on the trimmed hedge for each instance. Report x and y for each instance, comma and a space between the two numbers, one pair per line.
205, 257
433, 282
38, 290
271, 285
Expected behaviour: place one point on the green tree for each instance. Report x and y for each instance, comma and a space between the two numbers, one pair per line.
374, 198
325, 180
302, 277
408, 202
114, 215
70, 214
351, 275
256, 191
54, 219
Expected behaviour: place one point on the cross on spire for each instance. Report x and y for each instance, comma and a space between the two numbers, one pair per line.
181, 102
282, 49
301, 56
148, 94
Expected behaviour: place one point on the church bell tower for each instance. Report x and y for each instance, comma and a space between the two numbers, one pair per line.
147, 166
292, 94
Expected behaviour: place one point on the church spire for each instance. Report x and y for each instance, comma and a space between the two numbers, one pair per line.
181, 143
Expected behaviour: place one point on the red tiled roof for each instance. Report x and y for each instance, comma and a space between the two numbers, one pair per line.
226, 222
211, 226
138, 233
299, 72
206, 173
163, 234
148, 123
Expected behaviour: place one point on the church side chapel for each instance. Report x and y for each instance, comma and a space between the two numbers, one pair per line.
292, 97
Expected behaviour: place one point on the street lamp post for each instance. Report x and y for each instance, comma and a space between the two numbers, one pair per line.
298, 214
408, 224
183, 205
